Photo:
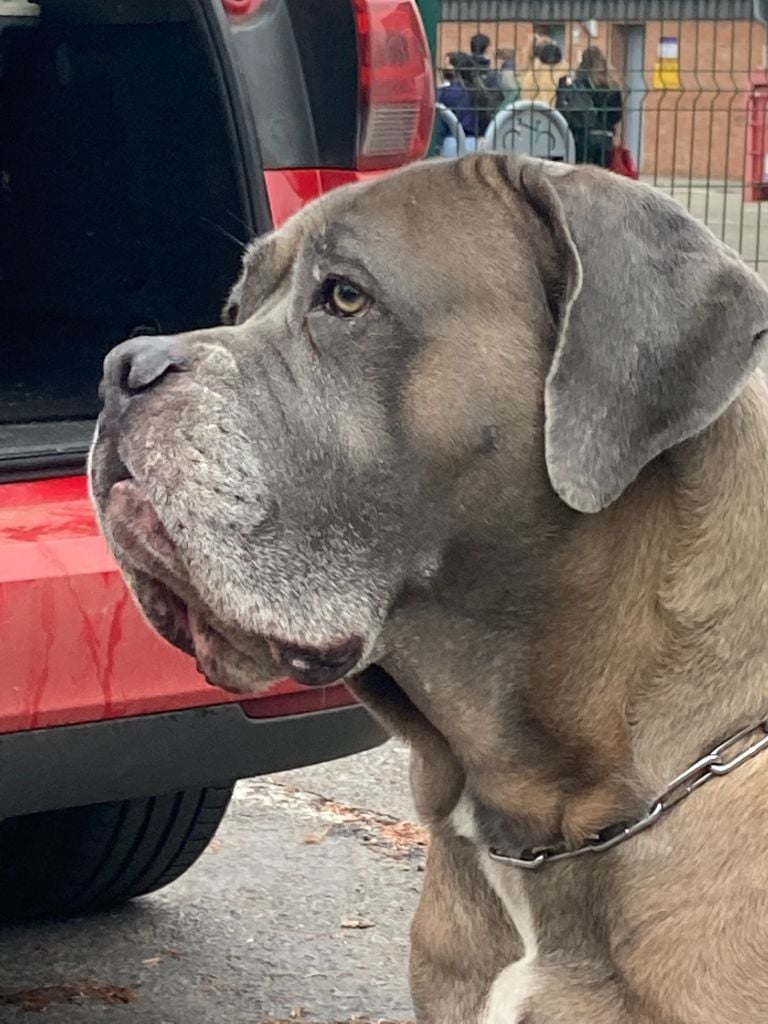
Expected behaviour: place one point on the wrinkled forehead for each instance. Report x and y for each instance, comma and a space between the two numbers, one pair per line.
372, 223
414, 233
386, 212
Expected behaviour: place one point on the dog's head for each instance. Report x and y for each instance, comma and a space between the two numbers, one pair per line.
452, 349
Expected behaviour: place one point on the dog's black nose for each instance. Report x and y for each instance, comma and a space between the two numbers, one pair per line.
318, 666
140, 362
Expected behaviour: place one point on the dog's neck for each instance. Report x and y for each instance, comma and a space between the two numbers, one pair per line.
710, 668
633, 641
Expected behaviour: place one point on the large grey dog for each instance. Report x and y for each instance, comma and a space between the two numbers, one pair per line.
514, 484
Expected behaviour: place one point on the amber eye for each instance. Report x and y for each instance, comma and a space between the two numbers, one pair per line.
345, 299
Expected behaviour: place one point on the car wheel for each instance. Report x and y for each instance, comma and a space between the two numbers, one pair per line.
82, 859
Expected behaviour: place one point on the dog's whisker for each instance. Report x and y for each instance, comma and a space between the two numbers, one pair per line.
226, 234
239, 220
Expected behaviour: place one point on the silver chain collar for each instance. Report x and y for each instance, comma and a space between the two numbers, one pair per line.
711, 766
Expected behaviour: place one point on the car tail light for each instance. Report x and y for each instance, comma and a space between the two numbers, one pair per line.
397, 93
241, 8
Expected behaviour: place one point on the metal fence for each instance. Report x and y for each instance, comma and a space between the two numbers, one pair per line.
688, 77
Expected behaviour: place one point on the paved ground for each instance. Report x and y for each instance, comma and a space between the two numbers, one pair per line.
298, 914
721, 206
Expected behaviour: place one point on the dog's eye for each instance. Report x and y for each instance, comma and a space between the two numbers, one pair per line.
341, 297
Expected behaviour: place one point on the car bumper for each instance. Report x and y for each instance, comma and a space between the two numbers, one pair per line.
67, 766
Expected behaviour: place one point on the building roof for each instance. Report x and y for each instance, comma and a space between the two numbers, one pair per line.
607, 10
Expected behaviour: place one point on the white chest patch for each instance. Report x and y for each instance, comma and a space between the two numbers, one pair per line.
509, 994
515, 984
463, 819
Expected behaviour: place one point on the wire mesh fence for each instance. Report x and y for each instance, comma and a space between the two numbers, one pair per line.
676, 89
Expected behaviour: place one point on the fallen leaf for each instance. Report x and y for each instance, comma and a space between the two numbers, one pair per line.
36, 1000
315, 837
164, 954
404, 833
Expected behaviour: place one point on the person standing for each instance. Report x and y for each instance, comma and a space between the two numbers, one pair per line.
593, 105
487, 91
458, 96
478, 48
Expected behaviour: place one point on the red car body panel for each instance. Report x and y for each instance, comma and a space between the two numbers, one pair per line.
74, 646
289, 190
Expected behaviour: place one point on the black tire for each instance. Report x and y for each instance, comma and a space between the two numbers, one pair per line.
83, 859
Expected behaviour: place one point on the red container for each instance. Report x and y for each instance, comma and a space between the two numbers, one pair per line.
756, 169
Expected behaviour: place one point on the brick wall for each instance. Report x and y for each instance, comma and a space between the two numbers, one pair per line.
698, 131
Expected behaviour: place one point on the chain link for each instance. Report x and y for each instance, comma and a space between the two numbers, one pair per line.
713, 765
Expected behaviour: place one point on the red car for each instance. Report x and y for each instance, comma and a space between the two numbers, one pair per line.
142, 142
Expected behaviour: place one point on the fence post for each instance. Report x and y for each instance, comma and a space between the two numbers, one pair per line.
430, 15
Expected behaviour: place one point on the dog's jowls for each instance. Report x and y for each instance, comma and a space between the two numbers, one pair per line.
489, 436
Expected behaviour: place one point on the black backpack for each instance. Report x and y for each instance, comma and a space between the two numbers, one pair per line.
489, 95
575, 102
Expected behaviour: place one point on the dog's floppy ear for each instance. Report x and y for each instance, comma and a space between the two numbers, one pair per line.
659, 327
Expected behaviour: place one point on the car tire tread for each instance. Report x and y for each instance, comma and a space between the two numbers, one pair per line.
83, 859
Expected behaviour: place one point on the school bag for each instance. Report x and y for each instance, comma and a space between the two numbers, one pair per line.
575, 102
489, 95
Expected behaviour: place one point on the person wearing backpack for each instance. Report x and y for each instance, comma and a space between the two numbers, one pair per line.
592, 104
488, 94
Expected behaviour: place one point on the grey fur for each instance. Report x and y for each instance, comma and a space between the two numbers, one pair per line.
278, 460
416, 477
659, 331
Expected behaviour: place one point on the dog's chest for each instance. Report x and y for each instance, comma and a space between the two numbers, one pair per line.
513, 987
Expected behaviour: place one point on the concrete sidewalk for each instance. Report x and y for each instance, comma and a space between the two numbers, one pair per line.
721, 206
298, 914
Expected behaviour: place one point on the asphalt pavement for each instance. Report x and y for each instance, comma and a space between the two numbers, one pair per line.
297, 914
